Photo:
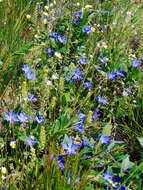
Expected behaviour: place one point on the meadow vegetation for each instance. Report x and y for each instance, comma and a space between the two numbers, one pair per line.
71, 94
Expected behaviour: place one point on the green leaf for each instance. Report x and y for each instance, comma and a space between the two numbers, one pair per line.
140, 139
126, 164
107, 129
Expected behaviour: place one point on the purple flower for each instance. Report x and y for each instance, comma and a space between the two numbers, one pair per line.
50, 52
108, 177
105, 139
87, 29
77, 74
112, 76
70, 147
23, 118
10, 117
135, 63
121, 73
30, 75
54, 34
26, 68
96, 115
101, 100
88, 143
31, 98
82, 116
39, 119
62, 39
78, 15
83, 61
76, 21
79, 127
88, 84
103, 60
61, 163
31, 141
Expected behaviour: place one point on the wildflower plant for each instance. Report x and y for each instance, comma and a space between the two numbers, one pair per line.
71, 95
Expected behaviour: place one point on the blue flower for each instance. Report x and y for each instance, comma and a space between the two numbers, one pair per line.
39, 119
31, 98
30, 76
101, 100
28, 73
82, 116
121, 73
50, 52
77, 74
112, 76
88, 143
31, 141
61, 163
26, 68
88, 84
79, 127
10, 117
62, 39
105, 139
96, 115
76, 21
135, 63
78, 14
70, 147
87, 29
83, 61
108, 177
23, 118
54, 34
103, 60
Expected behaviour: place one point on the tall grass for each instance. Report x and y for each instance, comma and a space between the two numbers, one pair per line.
109, 131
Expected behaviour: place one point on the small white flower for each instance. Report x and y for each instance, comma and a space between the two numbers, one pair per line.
49, 83
13, 144
59, 55
3, 170
28, 16
54, 77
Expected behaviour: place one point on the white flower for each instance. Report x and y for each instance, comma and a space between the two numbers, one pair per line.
3, 170
13, 144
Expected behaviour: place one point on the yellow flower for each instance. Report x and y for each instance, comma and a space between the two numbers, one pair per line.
59, 55
45, 21
3, 170
28, 16
88, 6
93, 29
46, 7
13, 144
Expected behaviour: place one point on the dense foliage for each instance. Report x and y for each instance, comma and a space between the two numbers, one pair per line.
71, 95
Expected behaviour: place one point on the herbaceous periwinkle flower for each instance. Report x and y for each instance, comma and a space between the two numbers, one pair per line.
39, 119
50, 52
121, 73
31, 98
27, 72
62, 39
31, 141
77, 74
88, 143
135, 63
105, 140
102, 100
10, 117
88, 84
61, 163
79, 127
112, 76
70, 147
83, 61
78, 14
96, 115
88, 29
22, 118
